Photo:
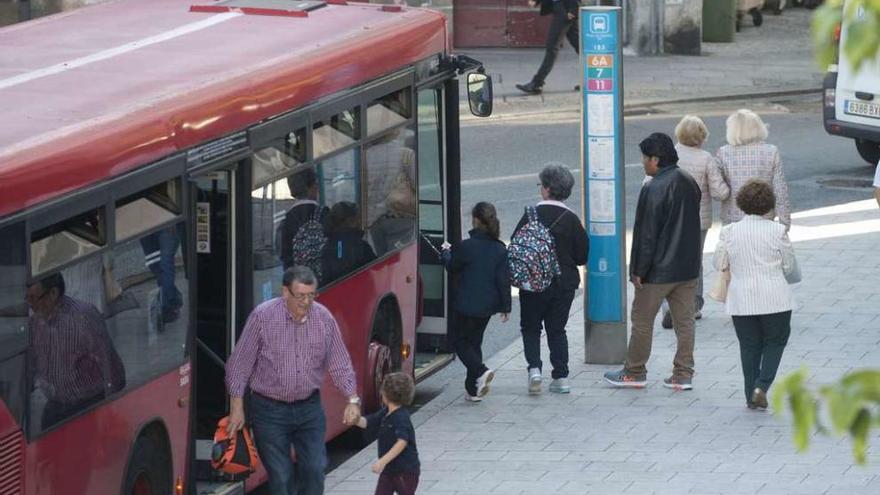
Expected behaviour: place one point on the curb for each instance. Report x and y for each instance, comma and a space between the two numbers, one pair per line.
636, 107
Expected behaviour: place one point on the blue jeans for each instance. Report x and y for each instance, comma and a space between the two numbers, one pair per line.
278, 425
159, 250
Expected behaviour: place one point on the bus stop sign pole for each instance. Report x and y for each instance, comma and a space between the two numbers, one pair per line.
603, 173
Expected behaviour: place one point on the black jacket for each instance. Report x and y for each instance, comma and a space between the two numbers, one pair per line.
484, 286
345, 251
569, 239
569, 5
666, 236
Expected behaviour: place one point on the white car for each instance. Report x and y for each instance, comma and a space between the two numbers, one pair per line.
852, 102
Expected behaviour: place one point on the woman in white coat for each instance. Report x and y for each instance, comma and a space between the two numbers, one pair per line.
758, 253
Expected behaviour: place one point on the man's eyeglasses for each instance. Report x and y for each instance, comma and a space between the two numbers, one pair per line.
304, 296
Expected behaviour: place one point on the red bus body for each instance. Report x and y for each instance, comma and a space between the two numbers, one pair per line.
80, 105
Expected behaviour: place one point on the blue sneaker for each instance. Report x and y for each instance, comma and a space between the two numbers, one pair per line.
560, 386
622, 379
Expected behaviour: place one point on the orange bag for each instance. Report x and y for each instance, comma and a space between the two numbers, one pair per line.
234, 455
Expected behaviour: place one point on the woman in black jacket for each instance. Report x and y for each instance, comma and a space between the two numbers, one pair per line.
551, 307
483, 290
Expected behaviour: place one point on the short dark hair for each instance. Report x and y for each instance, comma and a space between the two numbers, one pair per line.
660, 145
398, 388
301, 182
756, 197
299, 273
557, 179
54, 281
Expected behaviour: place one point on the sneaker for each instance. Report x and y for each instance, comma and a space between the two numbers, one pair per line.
483, 382
623, 379
698, 315
759, 398
535, 381
560, 386
472, 398
678, 383
667, 320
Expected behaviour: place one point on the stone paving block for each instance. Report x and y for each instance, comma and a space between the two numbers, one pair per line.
529, 487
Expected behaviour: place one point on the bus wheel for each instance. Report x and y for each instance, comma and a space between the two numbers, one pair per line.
868, 150
379, 362
148, 472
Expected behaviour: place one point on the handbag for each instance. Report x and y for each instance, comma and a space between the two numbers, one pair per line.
719, 288
791, 269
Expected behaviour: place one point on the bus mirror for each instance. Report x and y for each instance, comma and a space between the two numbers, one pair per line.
479, 88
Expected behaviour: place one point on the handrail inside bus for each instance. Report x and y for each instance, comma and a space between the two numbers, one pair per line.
214, 357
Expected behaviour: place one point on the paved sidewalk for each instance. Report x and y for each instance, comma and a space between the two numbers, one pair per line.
606, 441
777, 57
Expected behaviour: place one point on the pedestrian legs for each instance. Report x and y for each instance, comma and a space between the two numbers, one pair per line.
555, 319
273, 423
698, 295
401, 484
468, 346
776, 330
559, 28
308, 442
749, 334
532, 308
681, 306
645, 305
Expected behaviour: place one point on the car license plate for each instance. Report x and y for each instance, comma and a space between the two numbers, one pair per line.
862, 109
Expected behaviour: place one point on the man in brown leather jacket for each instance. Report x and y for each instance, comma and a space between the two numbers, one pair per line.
664, 264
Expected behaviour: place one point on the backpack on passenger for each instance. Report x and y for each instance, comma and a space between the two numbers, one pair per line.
531, 255
308, 243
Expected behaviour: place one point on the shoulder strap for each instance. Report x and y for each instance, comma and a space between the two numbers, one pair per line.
531, 213
557, 219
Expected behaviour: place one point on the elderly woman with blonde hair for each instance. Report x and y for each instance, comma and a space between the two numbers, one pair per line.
691, 133
747, 156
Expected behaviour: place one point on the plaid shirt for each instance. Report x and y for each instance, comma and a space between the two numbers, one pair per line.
74, 358
285, 360
753, 161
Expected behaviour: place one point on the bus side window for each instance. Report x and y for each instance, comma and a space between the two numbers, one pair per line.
345, 249
13, 318
391, 193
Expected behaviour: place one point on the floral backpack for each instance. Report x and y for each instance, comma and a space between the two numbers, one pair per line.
531, 255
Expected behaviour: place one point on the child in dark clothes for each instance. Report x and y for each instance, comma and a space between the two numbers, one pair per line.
398, 464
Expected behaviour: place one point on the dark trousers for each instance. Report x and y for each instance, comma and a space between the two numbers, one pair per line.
548, 309
401, 484
561, 28
762, 338
469, 332
159, 251
278, 425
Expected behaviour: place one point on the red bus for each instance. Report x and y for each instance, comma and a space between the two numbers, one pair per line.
150, 156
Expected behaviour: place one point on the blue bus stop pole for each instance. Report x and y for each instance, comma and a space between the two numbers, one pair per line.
603, 174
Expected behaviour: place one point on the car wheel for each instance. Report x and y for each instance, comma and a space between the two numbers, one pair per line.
148, 470
868, 150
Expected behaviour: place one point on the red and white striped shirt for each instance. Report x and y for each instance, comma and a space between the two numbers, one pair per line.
74, 358
285, 360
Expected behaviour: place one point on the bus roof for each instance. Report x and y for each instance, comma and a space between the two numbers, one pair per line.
92, 93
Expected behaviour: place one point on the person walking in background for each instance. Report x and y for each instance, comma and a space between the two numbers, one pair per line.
758, 253
664, 264
563, 26
398, 465
550, 308
748, 156
483, 290
691, 133
287, 345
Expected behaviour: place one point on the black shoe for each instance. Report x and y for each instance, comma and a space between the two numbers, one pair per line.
577, 87
667, 320
531, 88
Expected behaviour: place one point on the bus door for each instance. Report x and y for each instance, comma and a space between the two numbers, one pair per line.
438, 223
213, 210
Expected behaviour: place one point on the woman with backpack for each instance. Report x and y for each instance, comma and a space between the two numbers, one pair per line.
483, 290
545, 268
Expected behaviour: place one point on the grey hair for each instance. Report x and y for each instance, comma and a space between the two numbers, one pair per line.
301, 274
557, 179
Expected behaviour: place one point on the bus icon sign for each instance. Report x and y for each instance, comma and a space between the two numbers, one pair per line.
599, 24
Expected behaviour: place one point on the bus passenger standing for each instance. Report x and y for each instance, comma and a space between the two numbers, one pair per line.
287, 344
483, 290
